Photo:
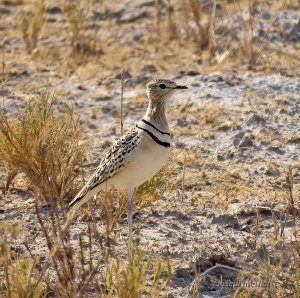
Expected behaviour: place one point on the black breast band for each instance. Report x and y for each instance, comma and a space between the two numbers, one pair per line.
154, 138
162, 132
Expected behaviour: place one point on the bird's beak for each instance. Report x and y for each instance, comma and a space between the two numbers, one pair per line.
181, 87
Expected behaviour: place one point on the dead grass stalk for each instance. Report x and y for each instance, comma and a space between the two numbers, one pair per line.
31, 24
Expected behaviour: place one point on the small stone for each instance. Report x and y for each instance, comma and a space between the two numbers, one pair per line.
180, 145
287, 26
138, 37
246, 142
220, 157
255, 119
273, 172
80, 87
103, 98
133, 16
182, 277
149, 68
182, 122
295, 33
147, 4
182, 273
225, 219
236, 208
193, 73
266, 15
53, 10
246, 228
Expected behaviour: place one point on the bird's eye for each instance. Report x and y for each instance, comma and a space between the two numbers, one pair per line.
162, 86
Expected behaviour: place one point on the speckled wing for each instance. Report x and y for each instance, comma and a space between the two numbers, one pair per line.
115, 160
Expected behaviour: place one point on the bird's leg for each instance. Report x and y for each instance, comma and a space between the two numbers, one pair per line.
129, 209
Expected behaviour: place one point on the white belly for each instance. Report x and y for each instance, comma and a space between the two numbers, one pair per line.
146, 161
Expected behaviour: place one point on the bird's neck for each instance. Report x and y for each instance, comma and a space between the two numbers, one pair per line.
156, 114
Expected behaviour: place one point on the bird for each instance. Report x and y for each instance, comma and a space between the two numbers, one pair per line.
137, 155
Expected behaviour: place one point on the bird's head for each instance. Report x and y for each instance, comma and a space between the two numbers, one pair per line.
162, 89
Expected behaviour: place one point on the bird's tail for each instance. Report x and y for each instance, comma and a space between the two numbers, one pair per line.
78, 197
83, 196
76, 203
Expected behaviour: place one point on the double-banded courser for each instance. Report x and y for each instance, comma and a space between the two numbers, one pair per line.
137, 155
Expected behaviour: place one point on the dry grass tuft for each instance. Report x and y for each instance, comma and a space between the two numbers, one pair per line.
138, 277
47, 148
74, 272
69, 272
211, 112
78, 14
18, 272
31, 24
276, 264
217, 35
205, 35
248, 46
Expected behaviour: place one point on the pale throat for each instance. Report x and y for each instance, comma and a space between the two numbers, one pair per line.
156, 112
